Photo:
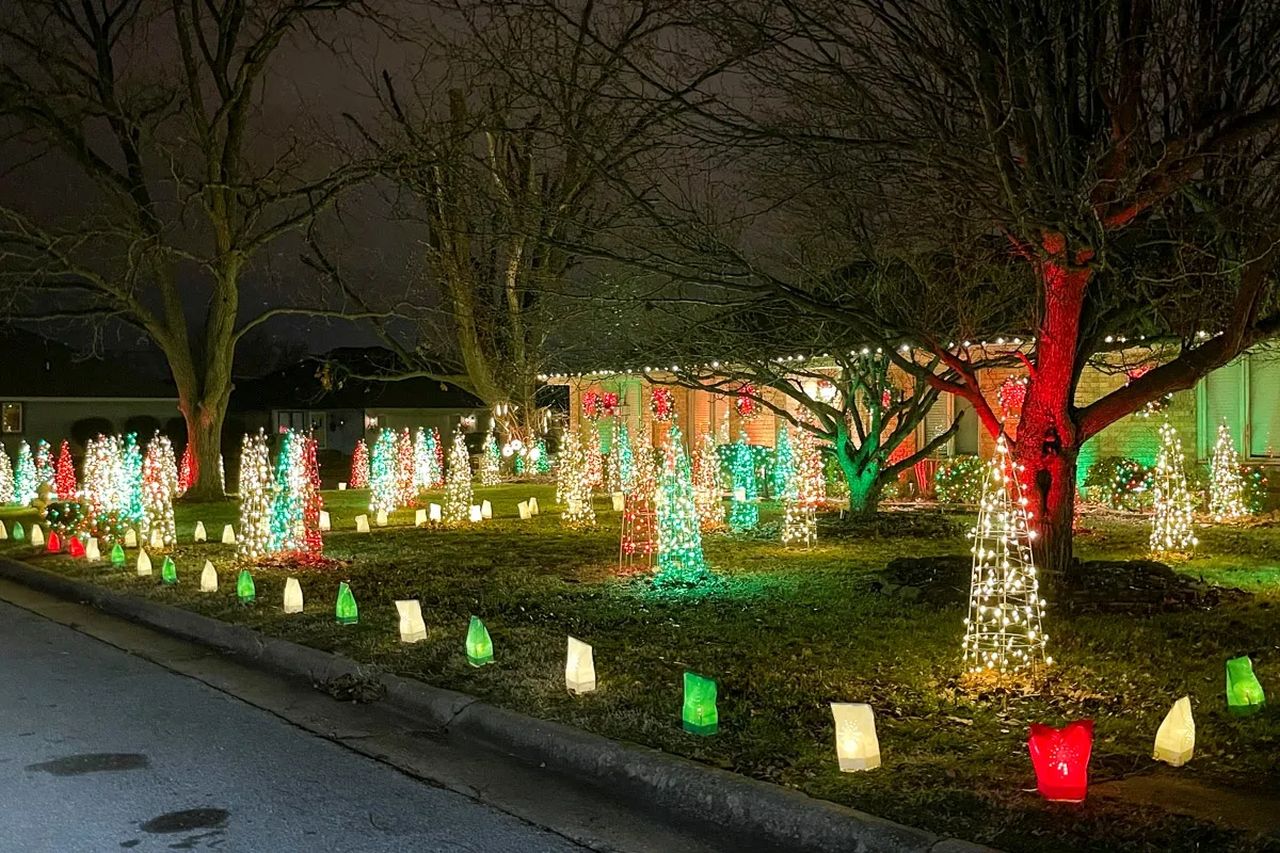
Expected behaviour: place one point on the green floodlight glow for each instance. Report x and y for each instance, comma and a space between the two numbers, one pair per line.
1244, 691
117, 555
479, 644
345, 608
168, 571
245, 590
18, 533
700, 714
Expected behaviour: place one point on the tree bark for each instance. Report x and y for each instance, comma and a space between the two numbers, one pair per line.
863, 474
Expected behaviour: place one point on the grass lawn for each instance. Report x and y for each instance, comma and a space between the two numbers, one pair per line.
786, 633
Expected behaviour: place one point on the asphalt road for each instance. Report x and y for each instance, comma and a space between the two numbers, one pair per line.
103, 751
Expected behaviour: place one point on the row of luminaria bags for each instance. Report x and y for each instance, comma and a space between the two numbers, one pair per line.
1060, 757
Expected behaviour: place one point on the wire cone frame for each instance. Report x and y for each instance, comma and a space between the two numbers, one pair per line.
1002, 631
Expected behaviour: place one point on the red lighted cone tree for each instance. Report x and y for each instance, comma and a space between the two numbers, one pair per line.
187, 472
64, 474
359, 466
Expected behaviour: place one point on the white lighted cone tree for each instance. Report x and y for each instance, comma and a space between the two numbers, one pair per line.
255, 497
803, 491
457, 489
708, 492
575, 474
1002, 631
1226, 486
1171, 523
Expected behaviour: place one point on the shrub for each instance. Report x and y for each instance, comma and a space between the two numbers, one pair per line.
1119, 483
959, 480
144, 425
89, 428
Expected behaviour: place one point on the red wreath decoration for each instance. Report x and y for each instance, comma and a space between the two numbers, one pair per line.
1011, 394
662, 404
746, 403
597, 405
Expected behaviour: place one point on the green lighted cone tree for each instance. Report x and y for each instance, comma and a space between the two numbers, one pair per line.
25, 484
784, 463
541, 458
680, 559
1002, 632
382, 473
457, 489
622, 464
425, 475
6, 478
288, 533
132, 509
707, 491
490, 461
1172, 533
255, 497
1226, 486
44, 463
744, 513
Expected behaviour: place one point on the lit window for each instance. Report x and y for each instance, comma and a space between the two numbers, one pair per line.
11, 418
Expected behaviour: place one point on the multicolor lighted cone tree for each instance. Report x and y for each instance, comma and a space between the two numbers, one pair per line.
1226, 486
707, 490
639, 531
424, 461
784, 463
287, 533
130, 484
255, 497
64, 474
188, 470
437, 445
312, 500
359, 478
383, 491
157, 494
802, 494
575, 468
25, 481
744, 513
406, 492
589, 438
6, 478
100, 480
44, 464
1172, 533
680, 559
457, 488
490, 460
1002, 631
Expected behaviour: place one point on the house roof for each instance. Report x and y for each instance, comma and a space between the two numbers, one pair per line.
303, 385
35, 367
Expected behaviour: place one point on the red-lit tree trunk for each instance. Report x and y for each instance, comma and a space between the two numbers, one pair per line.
1048, 440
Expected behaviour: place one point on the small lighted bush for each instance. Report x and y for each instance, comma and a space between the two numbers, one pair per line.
1119, 482
959, 480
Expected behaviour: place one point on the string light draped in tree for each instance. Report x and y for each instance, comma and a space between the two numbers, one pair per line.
639, 533
802, 494
25, 482
457, 489
744, 513
382, 473
406, 494
288, 496
44, 464
359, 478
6, 478
130, 485
157, 494
784, 463
707, 489
490, 460
1226, 485
255, 497
1003, 632
575, 464
64, 474
680, 558
1171, 529
188, 470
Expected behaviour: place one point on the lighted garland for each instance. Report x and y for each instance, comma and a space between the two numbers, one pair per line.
383, 490
64, 474
6, 478
707, 488
255, 498
662, 404
490, 460
744, 512
680, 558
359, 478
1226, 485
25, 482
1172, 532
1003, 631
457, 489
157, 494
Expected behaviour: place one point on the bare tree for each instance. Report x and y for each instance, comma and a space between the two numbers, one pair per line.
154, 109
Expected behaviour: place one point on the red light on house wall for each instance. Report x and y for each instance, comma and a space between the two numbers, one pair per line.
1061, 760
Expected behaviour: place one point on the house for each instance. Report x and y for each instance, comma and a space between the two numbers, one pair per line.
1245, 394
325, 395
49, 391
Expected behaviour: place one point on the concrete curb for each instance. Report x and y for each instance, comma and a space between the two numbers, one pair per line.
771, 816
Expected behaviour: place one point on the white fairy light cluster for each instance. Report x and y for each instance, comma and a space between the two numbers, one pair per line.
1002, 631
255, 497
1226, 486
1172, 532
